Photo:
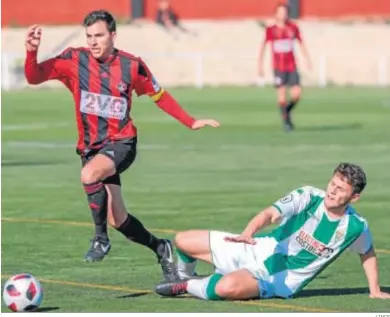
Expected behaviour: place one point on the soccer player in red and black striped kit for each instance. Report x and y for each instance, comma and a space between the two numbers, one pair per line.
282, 35
102, 79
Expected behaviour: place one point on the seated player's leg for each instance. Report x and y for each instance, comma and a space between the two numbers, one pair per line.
280, 85
94, 170
240, 271
208, 246
123, 154
191, 246
237, 285
295, 91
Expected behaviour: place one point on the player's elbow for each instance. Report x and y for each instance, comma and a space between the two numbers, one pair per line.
32, 74
32, 80
270, 214
182, 238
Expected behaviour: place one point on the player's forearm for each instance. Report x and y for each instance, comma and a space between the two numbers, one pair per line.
261, 58
32, 70
305, 52
370, 266
259, 222
168, 104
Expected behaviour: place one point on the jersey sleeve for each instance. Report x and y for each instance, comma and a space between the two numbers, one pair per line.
146, 84
53, 68
364, 243
298, 34
293, 203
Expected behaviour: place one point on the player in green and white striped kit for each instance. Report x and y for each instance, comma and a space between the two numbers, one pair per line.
315, 228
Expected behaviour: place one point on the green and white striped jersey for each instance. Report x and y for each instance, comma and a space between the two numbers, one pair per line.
308, 240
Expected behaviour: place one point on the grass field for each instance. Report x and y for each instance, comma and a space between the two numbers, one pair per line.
214, 178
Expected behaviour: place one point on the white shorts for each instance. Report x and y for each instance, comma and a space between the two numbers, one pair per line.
230, 256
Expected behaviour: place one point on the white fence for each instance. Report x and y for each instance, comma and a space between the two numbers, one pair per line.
236, 68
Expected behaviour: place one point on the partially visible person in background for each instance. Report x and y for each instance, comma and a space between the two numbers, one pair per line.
282, 36
168, 19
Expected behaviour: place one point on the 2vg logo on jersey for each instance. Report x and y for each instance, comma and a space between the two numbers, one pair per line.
103, 105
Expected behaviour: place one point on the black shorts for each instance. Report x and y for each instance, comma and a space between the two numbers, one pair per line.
122, 153
286, 78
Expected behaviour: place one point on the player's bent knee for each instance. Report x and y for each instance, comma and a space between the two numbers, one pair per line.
296, 92
228, 288
89, 176
181, 239
190, 239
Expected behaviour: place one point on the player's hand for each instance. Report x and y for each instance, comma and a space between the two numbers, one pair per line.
198, 124
380, 295
260, 81
241, 239
33, 38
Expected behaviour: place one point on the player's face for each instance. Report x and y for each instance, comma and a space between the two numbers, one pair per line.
281, 14
164, 4
339, 193
100, 40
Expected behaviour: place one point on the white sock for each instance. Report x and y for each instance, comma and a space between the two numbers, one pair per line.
204, 288
185, 265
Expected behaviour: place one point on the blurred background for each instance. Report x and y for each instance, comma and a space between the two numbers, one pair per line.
213, 42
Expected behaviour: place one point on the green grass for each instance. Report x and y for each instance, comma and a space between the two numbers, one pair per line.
213, 178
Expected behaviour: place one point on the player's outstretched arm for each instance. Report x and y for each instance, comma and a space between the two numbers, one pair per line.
266, 217
304, 50
370, 266
50, 69
263, 46
147, 84
306, 54
169, 105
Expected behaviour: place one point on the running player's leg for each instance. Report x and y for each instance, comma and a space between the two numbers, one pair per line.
295, 91
93, 172
280, 85
133, 229
123, 155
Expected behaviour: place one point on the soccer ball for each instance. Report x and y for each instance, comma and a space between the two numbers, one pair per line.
22, 292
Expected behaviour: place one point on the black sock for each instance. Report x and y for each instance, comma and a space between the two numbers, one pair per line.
284, 113
291, 105
97, 200
135, 231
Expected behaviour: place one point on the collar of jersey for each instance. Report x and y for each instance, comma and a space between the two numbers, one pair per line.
109, 59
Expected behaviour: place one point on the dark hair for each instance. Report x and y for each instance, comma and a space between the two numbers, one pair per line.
354, 175
100, 15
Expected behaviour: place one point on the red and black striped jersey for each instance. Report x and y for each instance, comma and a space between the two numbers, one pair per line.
102, 92
282, 43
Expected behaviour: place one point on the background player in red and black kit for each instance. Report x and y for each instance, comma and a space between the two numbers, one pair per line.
102, 79
282, 36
